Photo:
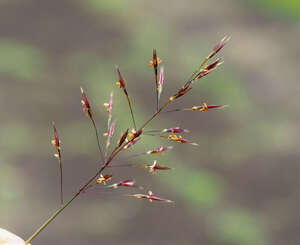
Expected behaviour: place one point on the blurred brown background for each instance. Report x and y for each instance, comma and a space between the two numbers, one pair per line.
240, 186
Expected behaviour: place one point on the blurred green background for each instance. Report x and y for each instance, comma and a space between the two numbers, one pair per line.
240, 186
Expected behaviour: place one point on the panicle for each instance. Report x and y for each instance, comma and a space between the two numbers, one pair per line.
159, 150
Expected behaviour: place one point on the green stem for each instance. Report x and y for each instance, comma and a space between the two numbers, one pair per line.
50, 219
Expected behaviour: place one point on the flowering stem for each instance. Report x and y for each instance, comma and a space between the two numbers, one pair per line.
82, 189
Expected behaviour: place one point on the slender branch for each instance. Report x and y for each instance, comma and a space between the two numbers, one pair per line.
98, 140
156, 88
61, 180
38, 231
50, 219
130, 107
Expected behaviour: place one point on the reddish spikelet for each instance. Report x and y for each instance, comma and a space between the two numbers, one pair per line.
132, 142
208, 69
126, 183
134, 134
153, 167
203, 74
175, 130
187, 87
110, 134
205, 107
213, 65
109, 106
160, 82
121, 82
151, 197
55, 142
85, 103
155, 60
103, 179
159, 150
179, 139
219, 46
123, 138
111, 130
161, 77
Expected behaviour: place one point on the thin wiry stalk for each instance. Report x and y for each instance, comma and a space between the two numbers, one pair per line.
61, 181
130, 108
156, 88
98, 140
